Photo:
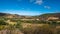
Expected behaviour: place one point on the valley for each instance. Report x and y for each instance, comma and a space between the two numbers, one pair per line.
16, 24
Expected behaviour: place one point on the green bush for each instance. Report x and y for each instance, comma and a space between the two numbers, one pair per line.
3, 22
1, 27
18, 25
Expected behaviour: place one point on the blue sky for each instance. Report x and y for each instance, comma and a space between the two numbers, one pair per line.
29, 7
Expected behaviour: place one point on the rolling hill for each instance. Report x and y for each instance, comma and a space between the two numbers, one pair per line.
42, 16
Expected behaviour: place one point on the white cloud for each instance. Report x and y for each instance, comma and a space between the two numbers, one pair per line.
39, 2
47, 7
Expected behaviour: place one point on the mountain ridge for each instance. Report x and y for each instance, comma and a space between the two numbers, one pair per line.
42, 16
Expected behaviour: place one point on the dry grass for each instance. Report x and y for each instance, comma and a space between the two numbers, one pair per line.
24, 25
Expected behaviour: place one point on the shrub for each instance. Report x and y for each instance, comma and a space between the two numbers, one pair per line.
37, 30
1, 27
3, 23
18, 25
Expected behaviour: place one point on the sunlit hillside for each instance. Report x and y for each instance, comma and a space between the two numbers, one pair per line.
42, 24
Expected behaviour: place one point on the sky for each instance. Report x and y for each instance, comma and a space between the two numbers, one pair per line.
29, 7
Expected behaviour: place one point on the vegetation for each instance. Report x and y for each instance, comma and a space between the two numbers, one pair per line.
3, 23
38, 30
50, 27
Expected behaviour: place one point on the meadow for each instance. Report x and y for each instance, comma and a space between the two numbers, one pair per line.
18, 26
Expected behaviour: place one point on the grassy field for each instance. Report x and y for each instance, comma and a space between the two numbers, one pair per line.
17, 26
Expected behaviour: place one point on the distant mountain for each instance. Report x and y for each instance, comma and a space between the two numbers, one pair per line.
51, 14
47, 15
3, 14
43, 16
7, 15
